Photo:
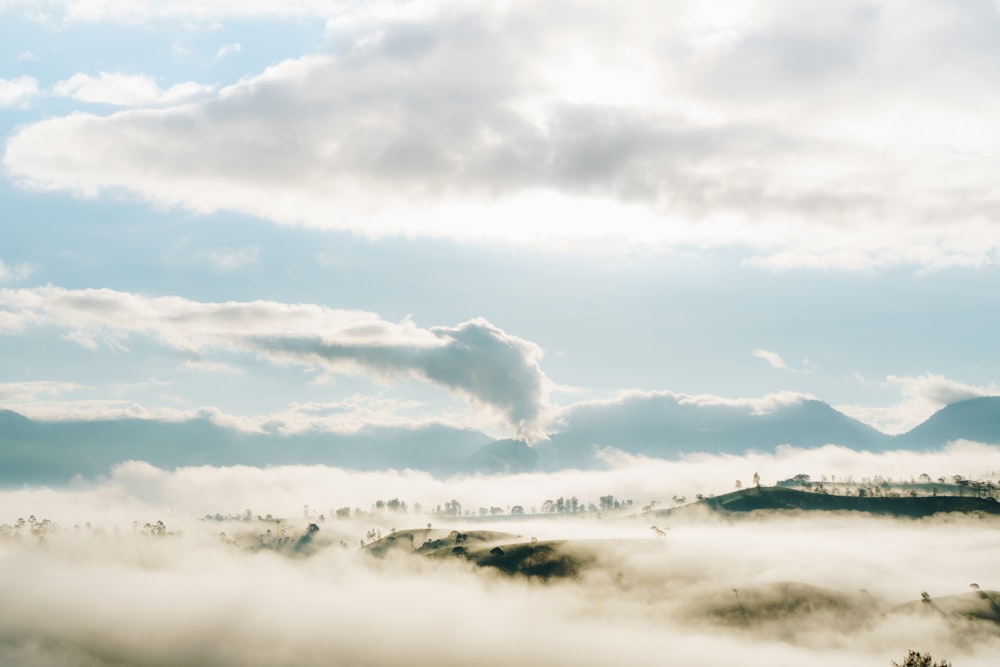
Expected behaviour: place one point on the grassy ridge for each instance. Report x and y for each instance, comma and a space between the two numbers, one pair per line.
780, 498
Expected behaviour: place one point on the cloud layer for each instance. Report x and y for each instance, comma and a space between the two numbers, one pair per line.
833, 137
106, 592
475, 359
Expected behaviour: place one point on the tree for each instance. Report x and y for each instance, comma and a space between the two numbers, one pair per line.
915, 659
756, 479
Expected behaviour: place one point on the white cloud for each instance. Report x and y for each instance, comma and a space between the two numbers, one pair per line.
28, 56
759, 406
212, 367
12, 393
43, 402
922, 396
776, 361
824, 138
227, 49
231, 259
188, 11
772, 358
19, 92
127, 90
475, 360
13, 274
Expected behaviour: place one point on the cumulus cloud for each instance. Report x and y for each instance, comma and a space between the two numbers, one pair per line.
18, 92
127, 90
475, 359
922, 396
820, 138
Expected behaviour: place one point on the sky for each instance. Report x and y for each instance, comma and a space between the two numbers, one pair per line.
320, 214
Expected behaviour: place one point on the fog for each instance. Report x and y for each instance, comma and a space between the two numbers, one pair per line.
100, 587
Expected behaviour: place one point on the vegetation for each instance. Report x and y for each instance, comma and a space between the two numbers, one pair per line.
781, 498
915, 659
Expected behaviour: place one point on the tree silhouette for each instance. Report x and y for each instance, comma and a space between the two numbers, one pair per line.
916, 659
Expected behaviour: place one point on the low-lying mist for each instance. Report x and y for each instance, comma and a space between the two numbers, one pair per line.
128, 570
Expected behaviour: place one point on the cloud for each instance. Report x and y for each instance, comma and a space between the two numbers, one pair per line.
922, 396
142, 11
772, 358
776, 361
127, 90
19, 92
829, 138
475, 360
758, 406
230, 259
11, 274
351, 415
212, 366
227, 49
22, 392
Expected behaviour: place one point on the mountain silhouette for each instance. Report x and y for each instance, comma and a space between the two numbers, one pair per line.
664, 426
975, 419
660, 426
53, 452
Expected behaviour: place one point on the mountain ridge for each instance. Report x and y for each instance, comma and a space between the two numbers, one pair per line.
660, 426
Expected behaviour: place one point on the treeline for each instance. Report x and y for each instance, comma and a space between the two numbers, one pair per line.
878, 486
455, 509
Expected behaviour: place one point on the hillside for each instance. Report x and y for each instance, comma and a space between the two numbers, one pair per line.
778, 608
780, 498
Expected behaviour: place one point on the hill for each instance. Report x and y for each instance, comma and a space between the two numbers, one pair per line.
780, 498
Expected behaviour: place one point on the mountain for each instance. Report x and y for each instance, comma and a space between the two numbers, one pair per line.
505, 456
661, 426
53, 452
973, 419
665, 426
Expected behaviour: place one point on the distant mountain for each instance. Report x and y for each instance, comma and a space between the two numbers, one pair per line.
53, 452
505, 456
973, 419
663, 426
660, 426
